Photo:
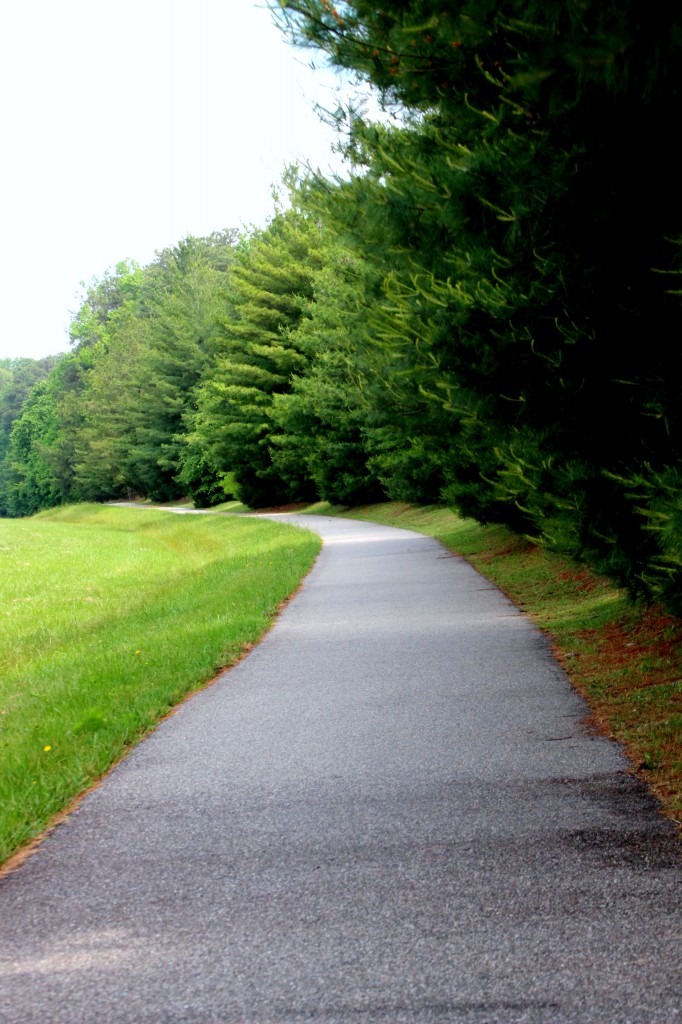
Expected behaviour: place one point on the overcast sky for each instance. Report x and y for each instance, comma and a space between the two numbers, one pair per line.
129, 124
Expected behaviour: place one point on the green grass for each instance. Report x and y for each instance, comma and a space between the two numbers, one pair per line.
110, 617
232, 506
626, 660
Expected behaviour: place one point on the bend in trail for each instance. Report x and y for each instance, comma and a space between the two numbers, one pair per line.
390, 811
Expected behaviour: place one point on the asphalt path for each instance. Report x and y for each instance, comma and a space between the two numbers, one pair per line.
390, 811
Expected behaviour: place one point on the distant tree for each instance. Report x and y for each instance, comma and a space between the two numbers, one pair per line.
106, 420
39, 457
18, 377
156, 344
106, 455
256, 356
102, 297
184, 299
318, 423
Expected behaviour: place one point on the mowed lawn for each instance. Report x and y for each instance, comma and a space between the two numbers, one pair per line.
109, 617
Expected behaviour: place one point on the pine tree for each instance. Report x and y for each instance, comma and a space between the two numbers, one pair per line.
321, 421
528, 202
256, 357
147, 365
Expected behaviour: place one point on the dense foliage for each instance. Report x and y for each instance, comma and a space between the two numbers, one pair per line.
485, 311
525, 212
257, 355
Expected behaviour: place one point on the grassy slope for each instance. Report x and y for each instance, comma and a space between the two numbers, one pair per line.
626, 661
109, 617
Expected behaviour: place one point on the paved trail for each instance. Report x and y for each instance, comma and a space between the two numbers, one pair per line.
389, 812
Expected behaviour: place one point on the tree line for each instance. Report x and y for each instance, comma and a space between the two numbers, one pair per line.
485, 311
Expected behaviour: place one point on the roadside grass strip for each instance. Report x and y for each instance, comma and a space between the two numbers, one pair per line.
626, 660
110, 617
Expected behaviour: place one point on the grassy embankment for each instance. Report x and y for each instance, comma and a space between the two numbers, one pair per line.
109, 618
626, 661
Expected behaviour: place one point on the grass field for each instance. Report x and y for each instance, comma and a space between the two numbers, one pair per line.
109, 617
626, 661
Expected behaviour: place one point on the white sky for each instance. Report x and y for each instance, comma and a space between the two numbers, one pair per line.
129, 124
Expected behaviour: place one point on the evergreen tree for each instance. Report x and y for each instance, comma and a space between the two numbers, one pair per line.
256, 357
148, 363
106, 458
183, 300
320, 422
530, 241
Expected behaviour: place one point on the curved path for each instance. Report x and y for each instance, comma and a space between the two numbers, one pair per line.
390, 811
